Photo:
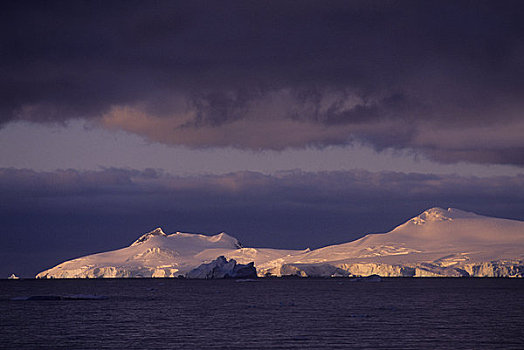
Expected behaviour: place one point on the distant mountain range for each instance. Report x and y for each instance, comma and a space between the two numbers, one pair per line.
436, 243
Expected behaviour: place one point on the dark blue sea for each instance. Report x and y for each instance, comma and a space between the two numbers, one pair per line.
403, 313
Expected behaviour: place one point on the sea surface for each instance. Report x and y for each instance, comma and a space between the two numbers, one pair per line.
396, 313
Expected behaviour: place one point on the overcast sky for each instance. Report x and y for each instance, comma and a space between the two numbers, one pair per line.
287, 124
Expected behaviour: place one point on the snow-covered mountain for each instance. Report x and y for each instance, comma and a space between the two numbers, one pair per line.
156, 254
437, 242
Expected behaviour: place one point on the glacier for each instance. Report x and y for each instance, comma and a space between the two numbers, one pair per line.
437, 243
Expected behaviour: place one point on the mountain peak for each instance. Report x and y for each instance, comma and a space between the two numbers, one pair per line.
433, 214
222, 236
437, 214
156, 232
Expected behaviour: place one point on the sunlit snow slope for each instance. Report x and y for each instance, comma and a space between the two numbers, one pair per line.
438, 242
156, 254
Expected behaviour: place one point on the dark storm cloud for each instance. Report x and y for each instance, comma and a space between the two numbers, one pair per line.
48, 217
259, 75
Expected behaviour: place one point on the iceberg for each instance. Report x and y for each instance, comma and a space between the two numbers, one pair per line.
222, 268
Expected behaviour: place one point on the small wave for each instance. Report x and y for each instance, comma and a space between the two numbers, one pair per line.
241, 280
60, 297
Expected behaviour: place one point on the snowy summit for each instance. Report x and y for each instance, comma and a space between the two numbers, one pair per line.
438, 242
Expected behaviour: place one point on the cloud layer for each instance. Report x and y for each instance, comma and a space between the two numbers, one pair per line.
445, 79
48, 217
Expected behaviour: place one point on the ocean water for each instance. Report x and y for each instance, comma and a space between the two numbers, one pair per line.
399, 313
